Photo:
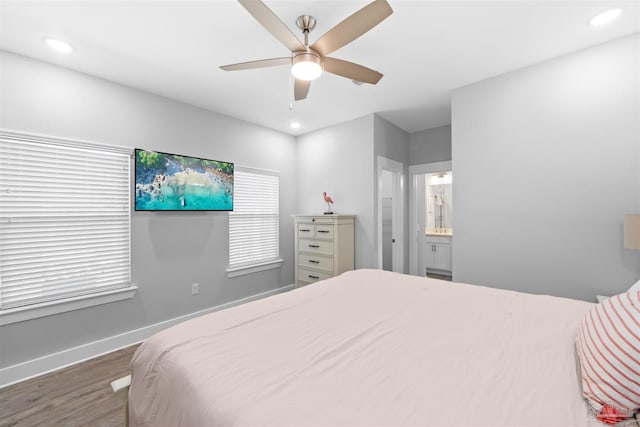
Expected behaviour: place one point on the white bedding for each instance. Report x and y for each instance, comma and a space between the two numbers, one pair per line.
368, 348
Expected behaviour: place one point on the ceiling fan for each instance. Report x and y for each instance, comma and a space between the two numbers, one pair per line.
308, 61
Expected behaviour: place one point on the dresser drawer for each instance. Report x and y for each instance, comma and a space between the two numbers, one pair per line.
315, 231
311, 276
324, 231
316, 261
306, 231
316, 246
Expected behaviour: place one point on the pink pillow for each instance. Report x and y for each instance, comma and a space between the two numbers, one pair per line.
608, 344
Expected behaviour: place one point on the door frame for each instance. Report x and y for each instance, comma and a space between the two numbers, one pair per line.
397, 211
414, 236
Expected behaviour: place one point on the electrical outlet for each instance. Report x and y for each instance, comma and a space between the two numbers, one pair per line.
195, 289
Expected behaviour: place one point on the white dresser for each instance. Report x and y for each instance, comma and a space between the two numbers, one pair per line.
324, 246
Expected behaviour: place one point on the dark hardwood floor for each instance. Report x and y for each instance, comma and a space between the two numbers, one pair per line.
79, 395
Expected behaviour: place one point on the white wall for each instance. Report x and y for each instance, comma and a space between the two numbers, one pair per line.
339, 160
546, 162
170, 250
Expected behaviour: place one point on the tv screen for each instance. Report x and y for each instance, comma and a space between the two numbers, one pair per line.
169, 182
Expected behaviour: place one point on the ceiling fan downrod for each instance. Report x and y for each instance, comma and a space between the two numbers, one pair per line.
306, 23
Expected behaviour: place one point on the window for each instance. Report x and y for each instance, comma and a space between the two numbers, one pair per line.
254, 242
64, 222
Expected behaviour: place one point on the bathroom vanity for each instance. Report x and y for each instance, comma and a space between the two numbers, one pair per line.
437, 251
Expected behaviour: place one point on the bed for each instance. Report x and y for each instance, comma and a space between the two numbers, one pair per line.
368, 347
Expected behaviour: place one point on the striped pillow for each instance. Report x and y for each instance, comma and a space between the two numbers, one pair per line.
608, 344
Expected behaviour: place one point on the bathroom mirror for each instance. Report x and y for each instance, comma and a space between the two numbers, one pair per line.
438, 203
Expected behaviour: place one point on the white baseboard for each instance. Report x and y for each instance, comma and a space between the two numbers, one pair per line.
53, 362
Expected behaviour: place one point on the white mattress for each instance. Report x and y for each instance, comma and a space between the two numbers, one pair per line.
368, 348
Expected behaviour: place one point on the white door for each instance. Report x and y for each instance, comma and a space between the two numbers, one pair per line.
388, 239
390, 215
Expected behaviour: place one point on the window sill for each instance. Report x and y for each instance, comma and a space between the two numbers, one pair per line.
20, 314
253, 268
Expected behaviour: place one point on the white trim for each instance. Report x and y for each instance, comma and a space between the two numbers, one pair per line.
253, 268
121, 383
33, 311
397, 169
52, 362
414, 171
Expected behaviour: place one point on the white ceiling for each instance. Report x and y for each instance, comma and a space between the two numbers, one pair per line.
425, 50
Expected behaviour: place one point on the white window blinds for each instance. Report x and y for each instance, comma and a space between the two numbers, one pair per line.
64, 220
254, 222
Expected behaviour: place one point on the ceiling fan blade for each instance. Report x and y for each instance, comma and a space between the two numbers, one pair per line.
262, 63
301, 89
353, 27
351, 71
272, 23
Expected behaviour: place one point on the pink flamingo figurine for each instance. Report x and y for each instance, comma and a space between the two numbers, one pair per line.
329, 201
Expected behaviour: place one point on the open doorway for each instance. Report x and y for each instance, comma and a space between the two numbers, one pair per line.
390, 215
430, 226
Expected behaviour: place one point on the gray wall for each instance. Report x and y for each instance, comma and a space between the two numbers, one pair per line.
339, 160
169, 250
546, 163
393, 143
390, 141
430, 146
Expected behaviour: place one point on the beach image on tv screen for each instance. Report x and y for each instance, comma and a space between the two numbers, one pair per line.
171, 182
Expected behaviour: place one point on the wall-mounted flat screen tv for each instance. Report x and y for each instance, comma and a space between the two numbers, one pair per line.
169, 182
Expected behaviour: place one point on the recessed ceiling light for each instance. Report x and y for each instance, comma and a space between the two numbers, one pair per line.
295, 125
605, 17
58, 45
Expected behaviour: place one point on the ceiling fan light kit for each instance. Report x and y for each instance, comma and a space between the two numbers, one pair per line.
306, 65
309, 61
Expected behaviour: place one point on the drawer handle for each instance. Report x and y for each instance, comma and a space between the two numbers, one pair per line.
314, 246
323, 231
314, 261
305, 230
313, 277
